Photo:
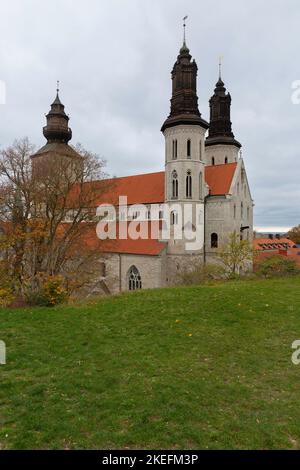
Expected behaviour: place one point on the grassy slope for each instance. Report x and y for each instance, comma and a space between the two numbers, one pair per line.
124, 373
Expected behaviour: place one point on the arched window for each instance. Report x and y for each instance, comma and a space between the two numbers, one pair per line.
201, 185
175, 147
189, 185
226, 160
174, 185
174, 218
213, 162
200, 150
214, 240
134, 279
189, 148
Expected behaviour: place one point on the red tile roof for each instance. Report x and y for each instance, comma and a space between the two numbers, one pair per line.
139, 189
150, 188
128, 246
219, 178
266, 244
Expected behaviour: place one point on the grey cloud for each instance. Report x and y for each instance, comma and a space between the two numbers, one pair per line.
114, 58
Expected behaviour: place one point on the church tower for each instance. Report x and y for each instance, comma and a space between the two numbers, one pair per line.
184, 133
57, 151
221, 146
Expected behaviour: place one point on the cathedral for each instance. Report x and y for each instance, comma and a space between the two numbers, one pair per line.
204, 172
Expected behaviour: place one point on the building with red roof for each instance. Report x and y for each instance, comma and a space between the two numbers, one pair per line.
151, 226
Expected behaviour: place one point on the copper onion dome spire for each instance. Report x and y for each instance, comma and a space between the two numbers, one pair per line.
57, 129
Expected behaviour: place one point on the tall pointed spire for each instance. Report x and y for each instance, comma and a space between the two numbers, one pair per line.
57, 129
220, 127
184, 101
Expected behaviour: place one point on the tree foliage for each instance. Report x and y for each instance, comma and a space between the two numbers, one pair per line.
46, 210
294, 234
236, 255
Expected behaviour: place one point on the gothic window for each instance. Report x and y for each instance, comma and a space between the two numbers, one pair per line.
175, 148
189, 148
226, 160
201, 185
214, 240
189, 185
174, 185
134, 279
174, 218
213, 162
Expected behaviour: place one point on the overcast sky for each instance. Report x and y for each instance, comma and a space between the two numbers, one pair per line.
114, 58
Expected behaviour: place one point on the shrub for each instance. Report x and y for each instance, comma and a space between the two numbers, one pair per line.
199, 273
277, 266
6, 296
47, 292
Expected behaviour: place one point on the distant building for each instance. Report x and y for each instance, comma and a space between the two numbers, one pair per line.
275, 245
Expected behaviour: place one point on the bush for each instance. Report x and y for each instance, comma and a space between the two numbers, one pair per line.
200, 273
47, 292
6, 296
277, 266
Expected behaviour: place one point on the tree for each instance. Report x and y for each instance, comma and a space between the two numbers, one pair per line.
46, 211
236, 255
294, 234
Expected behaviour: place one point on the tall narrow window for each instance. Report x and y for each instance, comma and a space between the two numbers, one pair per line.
201, 185
234, 211
174, 218
189, 148
134, 279
214, 240
213, 162
242, 210
174, 185
226, 160
200, 150
189, 185
175, 147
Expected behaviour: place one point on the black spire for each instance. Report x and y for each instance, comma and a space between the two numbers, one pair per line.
184, 102
220, 127
57, 129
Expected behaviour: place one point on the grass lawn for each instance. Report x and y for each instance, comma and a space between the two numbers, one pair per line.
196, 368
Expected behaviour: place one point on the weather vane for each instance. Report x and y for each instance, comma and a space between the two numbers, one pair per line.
184, 27
220, 66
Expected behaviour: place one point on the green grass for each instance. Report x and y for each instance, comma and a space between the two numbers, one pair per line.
124, 372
